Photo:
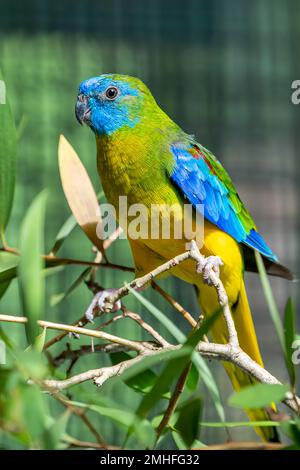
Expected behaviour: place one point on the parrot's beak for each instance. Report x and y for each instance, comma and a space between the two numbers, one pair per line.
82, 110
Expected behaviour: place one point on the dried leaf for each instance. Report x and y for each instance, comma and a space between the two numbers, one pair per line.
79, 191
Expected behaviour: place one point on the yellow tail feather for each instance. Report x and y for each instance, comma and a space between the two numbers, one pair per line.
248, 342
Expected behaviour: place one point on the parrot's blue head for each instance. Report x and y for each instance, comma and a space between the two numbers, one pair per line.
110, 102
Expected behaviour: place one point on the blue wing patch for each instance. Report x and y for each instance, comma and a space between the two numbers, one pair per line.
193, 176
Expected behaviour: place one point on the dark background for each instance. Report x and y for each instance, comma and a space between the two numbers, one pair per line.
221, 69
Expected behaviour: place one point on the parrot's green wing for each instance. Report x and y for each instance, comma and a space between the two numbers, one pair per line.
204, 182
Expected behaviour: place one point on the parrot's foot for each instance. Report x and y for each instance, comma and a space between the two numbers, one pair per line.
211, 263
98, 304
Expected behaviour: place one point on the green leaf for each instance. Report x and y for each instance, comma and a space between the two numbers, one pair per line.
8, 270
31, 364
289, 337
57, 298
188, 421
118, 415
7, 261
198, 445
240, 424
8, 146
270, 298
181, 444
258, 395
193, 378
150, 361
3, 287
40, 340
31, 278
143, 430
8, 342
21, 126
163, 319
54, 434
199, 362
141, 382
292, 430
65, 230
34, 411
174, 367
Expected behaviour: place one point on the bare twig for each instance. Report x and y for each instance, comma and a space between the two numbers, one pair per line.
174, 304
56, 260
223, 352
133, 345
73, 443
173, 400
99, 376
236, 445
81, 322
53, 260
186, 315
138, 319
214, 279
141, 282
71, 354
81, 413
230, 352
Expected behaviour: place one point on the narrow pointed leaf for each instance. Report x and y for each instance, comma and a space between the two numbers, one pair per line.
193, 378
174, 367
144, 432
258, 395
65, 230
289, 337
240, 424
273, 309
31, 277
8, 269
52, 435
199, 362
142, 382
8, 146
188, 421
40, 340
57, 298
34, 411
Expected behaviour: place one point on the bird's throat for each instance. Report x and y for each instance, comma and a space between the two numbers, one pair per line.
135, 165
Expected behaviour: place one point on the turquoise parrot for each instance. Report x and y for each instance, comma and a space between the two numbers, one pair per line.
143, 155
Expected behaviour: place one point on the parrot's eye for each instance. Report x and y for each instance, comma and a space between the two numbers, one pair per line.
111, 93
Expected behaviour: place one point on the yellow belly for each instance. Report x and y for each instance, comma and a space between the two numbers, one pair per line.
148, 254
123, 172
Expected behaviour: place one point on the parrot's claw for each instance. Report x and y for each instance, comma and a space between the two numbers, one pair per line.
99, 304
211, 263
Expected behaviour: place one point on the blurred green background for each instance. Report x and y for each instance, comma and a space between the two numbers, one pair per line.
221, 69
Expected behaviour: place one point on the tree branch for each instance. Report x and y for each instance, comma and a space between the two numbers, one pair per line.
133, 345
230, 352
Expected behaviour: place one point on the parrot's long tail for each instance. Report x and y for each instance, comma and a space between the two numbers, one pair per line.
248, 342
